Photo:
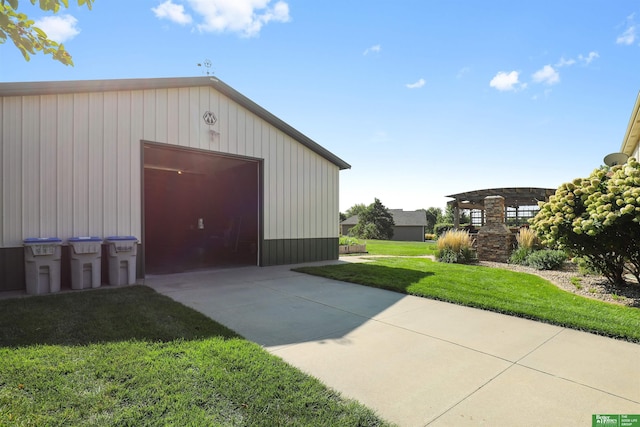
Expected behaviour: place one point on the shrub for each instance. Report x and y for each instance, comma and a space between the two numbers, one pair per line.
430, 236
519, 256
455, 247
546, 259
585, 267
597, 218
348, 240
527, 243
527, 239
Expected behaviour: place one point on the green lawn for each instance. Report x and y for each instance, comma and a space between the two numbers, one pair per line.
131, 357
503, 291
388, 247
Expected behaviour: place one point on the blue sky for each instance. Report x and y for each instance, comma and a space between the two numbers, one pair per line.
423, 98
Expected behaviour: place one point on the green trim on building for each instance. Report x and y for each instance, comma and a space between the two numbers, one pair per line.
295, 251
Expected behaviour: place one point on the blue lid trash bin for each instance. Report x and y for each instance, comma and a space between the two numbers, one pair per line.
122, 259
86, 257
42, 264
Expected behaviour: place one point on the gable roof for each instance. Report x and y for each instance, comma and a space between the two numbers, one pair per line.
408, 218
78, 86
352, 220
400, 218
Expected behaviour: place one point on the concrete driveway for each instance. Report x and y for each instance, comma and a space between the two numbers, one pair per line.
415, 361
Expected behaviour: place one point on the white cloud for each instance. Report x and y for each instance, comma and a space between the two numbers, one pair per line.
628, 37
242, 16
546, 75
373, 49
173, 12
565, 62
416, 85
589, 58
505, 81
59, 28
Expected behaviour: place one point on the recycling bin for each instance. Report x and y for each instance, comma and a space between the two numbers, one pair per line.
86, 254
122, 259
42, 264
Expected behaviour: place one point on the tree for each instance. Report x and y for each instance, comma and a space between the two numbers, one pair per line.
375, 222
355, 210
597, 218
28, 38
433, 217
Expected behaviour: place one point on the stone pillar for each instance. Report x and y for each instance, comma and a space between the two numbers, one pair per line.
495, 240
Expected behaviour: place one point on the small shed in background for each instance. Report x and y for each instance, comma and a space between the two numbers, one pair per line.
410, 226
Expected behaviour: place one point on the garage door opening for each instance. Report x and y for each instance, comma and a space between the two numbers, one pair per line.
201, 210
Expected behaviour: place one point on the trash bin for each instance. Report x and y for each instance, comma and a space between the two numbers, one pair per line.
122, 259
42, 264
86, 254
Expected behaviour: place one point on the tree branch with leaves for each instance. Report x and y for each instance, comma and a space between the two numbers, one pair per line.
28, 38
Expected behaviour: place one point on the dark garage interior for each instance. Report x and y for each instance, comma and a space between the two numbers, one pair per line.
201, 210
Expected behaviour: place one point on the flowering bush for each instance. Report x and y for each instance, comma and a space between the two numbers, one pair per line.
597, 218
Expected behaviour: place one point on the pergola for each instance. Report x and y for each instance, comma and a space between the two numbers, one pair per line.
519, 202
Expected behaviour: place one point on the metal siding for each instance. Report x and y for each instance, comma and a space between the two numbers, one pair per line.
271, 199
313, 191
90, 150
308, 195
249, 135
195, 132
12, 166
301, 179
71, 182
31, 167
182, 111
203, 104
148, 115
96, 151
47, 142
167, 116
257, 137
324, 208
213, 105
110, 164
293, 191
232, 139
336, 202
241, 131
80, 166
124, 175
137, 130
281, 196
223, 128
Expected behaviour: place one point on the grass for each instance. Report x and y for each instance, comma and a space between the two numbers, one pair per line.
503, 291
132, 357
388, 247
577, 282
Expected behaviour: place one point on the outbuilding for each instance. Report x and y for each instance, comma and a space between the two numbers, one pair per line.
198, 172
409, 226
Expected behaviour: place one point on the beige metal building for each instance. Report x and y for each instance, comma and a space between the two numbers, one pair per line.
202, 175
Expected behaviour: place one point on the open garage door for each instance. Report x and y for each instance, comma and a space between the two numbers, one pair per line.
201, 209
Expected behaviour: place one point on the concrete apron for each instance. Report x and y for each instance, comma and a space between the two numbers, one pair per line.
415, 361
